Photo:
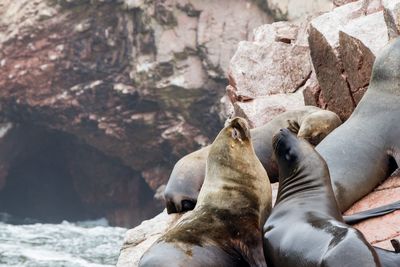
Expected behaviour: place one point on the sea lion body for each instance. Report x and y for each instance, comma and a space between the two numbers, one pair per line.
363, 151
187, 176
224, 229
305, 228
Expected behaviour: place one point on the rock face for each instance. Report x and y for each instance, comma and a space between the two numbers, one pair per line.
294, 9
343, 46
268, 73
134, 81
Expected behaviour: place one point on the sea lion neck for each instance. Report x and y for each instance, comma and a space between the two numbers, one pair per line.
304, 182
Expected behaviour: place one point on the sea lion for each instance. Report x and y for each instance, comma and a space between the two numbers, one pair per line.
364, 150
225, 228
306, 228
187, 176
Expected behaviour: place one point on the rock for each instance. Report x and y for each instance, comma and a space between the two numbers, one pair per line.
379, 231
139, 239
337, 3
343, 50
267, 73
392, 17
218, 30
294, 10
359, 42
312, 92
263, 109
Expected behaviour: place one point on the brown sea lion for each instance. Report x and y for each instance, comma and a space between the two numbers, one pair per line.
187, 176
363, 151
306, 228
225, 228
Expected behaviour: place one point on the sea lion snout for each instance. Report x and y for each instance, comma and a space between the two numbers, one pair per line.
284, 143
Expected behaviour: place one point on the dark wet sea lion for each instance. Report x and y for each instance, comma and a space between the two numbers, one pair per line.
225, 228
187, 176
305, 227
363, 151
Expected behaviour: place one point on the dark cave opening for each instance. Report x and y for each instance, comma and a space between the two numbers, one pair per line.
39, 186
52, 176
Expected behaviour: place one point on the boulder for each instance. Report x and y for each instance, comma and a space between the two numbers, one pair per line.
343, 44
392, 17
294, 10
359, 42
266, 74
139, 239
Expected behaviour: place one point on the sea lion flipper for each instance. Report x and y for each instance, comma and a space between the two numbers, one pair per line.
253, 255
293, 126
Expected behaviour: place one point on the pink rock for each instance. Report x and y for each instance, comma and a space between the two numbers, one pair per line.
378, 231
222, 24
342, 2
263, 109
360, 40
267, 75
343, 44
270, 67
392, 16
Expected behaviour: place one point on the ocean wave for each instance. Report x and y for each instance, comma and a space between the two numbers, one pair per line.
79, 244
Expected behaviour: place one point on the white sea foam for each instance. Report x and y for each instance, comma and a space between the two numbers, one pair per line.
81, 244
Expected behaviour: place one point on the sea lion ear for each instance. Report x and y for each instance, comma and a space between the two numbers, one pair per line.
241, 126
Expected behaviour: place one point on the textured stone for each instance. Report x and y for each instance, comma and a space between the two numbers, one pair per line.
139, 239
267, 73
360, 41
392, 17
342, 2
294, 9
380, 230
263, 109
219, 31
343, 44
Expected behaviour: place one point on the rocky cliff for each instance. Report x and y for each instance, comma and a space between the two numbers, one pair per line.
323, 60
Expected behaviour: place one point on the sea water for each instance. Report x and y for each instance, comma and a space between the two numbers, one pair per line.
80, 244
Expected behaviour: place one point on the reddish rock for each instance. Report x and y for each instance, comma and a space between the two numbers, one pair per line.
266, 74
273, 66
139, 239
342, 2
263, 109
379, 231
392, 17
359, 41
312, 92
343, 44
323, 40
294, 9
219, 31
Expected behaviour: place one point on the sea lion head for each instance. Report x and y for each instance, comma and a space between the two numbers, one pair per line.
232, 143
318, 125
293, 154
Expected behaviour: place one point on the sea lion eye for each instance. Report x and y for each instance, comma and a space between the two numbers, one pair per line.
235, 133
